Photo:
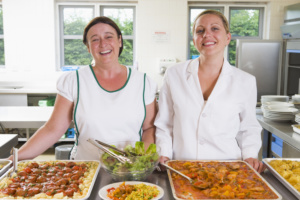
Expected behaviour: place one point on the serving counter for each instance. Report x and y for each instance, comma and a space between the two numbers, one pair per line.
161, 179
283, 130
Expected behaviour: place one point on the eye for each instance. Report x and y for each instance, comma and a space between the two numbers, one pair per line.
215, 28
108, 37
199, 31
95, 40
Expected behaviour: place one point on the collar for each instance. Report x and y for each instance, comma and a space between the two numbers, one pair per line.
194, 64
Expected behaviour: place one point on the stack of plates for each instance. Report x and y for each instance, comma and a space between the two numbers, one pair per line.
296, 98
297, 118
279, 111
268, 98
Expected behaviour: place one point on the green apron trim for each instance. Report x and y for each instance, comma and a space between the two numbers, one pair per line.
74, 117
140, 133
76, 132
113, 90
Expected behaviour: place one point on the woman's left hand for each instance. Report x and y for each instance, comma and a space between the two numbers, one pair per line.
256, 164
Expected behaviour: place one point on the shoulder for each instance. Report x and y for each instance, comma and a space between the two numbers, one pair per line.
135, 74
241, 75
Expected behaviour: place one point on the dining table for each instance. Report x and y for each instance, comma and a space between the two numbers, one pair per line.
161, 179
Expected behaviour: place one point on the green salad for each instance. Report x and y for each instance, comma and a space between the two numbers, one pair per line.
146, 160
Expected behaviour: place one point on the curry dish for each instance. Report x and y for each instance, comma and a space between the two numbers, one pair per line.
49, 180
218, 180
289, 170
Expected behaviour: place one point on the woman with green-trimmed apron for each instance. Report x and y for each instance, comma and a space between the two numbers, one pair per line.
106, 100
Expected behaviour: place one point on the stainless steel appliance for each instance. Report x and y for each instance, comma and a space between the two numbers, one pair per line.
263, 59
291, 56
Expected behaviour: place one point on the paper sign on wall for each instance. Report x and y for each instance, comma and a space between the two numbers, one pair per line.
161, 36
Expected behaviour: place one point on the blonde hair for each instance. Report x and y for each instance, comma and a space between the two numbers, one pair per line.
213, 12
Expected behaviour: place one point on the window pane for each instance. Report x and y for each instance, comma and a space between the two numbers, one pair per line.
2, 60
126, 57
123, 18
193, 51
75, 19
244, 22
1, 21
76, 53
232, 52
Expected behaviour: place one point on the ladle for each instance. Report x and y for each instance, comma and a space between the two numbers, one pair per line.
200, 186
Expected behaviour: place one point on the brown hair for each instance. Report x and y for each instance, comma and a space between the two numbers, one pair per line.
213, 12
104, 20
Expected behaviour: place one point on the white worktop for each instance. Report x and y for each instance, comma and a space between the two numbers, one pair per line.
29, 90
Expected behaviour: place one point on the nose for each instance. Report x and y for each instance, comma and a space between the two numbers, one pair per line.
206, 33
102, 43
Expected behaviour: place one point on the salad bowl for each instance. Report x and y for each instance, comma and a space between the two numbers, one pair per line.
139, 167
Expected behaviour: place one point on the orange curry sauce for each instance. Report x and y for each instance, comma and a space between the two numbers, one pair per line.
218, 180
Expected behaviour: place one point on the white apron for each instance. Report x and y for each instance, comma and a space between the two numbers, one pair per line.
108, 116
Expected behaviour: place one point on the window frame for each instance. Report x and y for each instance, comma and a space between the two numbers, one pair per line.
63, 37
98, 11
226, 8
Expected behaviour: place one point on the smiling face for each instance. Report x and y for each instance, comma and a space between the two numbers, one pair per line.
210, 37
103, 43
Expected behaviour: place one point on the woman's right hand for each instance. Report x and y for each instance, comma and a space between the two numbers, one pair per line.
163, 159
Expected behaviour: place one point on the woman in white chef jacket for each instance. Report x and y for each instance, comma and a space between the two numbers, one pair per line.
206, 106
106, 100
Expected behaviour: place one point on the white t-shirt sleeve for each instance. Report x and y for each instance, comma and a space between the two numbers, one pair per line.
150, 90
67, 85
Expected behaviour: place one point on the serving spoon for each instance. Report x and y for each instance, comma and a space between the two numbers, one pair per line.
200, 185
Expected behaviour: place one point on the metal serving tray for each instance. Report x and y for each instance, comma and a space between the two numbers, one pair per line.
177, 198
279, 177
6, 165
75, 161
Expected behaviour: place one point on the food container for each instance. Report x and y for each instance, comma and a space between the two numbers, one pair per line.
279, 177
4, 166
88, 182
139, 170
222, 185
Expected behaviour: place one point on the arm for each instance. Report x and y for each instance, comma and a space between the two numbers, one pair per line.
249, 136
164, 122
148, 125
50, 132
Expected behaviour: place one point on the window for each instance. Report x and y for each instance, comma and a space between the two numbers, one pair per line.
194, 12
123, 16
2, 57
244, 22
73, 19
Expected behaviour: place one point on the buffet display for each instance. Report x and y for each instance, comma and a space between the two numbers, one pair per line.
287, 171
218, 180
50, 180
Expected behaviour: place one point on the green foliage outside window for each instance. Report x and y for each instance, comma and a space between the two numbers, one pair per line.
243, 23
76, 53
126, 26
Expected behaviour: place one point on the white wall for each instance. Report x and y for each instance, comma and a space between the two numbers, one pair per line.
29, 34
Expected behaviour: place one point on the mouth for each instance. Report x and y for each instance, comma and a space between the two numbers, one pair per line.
209, 43
105, 52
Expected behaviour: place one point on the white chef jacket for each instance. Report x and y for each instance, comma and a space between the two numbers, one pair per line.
225, 128
108, 116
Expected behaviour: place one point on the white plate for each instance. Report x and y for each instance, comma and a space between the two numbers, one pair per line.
103, 191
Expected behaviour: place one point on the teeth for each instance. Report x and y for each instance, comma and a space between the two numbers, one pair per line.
209, 43
103, 52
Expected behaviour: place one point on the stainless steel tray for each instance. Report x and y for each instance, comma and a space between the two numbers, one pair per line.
6, 164
177, 198
279, 177
92, 183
